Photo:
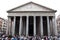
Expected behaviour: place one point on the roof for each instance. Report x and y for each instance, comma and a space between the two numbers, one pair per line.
58, 18
10, 11
3, 19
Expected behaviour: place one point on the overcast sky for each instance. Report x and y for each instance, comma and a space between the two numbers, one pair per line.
6, 5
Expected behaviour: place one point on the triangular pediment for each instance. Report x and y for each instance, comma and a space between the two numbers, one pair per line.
31, 6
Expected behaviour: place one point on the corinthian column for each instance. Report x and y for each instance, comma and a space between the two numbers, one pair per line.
41, 24
13, 28
55, 25
34, 25
48, 26
20, 28
27, 23
9, 25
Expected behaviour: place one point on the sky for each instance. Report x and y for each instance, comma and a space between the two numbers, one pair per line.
6, 5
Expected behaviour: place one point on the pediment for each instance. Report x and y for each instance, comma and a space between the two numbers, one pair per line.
31, 6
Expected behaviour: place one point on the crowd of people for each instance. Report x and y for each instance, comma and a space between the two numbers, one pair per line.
23, 37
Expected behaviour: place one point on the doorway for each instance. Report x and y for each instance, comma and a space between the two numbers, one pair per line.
17, 25
31, 26
45, 31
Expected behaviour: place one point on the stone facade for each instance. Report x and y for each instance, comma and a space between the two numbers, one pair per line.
32, 19
3, 25
58, 24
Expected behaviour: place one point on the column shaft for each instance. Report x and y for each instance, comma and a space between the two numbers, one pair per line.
48, 26
13, 28
55, 26
9, 25
41, 25
34, 25
27, 23
20, 28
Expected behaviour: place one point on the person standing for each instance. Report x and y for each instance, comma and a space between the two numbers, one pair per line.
3, 37
58, 38
28, 37
18, 37
6, 38
25, 38
22, 37
14, 38
33, 38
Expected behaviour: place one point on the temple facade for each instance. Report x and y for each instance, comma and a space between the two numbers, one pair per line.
32, 19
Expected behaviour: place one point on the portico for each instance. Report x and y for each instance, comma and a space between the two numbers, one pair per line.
32, 19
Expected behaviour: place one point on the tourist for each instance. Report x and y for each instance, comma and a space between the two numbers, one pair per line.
39, 38
25, 38
33, 38
58, 38
18, 37
28, 37
3, 37
42, 37
22, 37
36, 38
14, 38
49, 38
6, 38
0, 38
46, 37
